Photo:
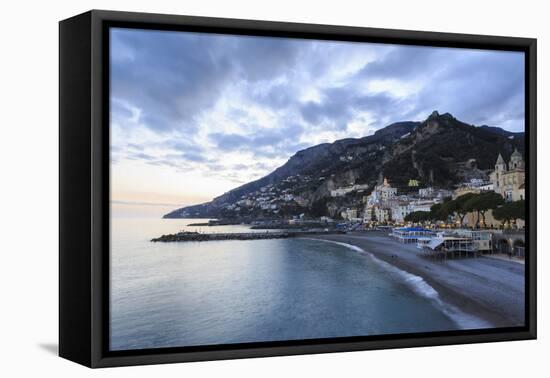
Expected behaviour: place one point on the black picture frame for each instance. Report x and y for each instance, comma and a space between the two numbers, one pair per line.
84, 187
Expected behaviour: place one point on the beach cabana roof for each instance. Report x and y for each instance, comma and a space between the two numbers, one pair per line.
412, 229
435, 242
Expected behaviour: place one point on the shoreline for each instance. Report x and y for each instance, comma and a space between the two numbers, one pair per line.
488, 289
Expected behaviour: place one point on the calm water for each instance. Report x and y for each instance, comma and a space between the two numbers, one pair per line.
183, 294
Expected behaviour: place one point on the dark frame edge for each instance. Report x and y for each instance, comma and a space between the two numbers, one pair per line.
100, 193
75, 275
325, 31
231, 354
95, 356
531, 112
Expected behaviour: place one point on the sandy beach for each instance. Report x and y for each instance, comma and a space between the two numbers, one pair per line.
489, 289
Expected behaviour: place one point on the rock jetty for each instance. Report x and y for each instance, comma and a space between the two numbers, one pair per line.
199, 237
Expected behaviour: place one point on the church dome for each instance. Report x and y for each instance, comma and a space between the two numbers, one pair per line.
516, 160
516, 155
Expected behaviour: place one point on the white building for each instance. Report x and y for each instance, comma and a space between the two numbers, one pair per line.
339, 192
421, 205
288, 197
349, 214
487, 187
381, 194
399, 211
386, 190
382, 214
426, 192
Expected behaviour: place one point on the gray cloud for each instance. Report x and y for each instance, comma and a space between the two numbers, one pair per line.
482, 88
279, 142
173, 77
170, 78
340, 104
141, 156
402, 62
165, 81
479, 87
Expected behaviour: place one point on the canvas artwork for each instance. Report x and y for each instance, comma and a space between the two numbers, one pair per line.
266, 189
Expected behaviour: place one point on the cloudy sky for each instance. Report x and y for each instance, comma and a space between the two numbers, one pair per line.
194, 115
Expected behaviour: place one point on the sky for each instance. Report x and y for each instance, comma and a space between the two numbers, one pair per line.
194, 115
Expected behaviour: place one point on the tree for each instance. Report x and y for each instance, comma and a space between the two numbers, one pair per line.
418, 217
437, 213
458, 207
519, 209
503, 214
510, 211
450, 208
483, 202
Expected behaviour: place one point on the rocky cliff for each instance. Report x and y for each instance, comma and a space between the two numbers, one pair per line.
440, 151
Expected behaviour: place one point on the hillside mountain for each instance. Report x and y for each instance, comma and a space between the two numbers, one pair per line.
499, 131
440, 151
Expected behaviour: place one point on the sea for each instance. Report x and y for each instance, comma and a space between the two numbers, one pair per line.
224, 292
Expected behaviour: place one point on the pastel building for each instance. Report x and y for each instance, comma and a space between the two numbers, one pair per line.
381, 194
509, 179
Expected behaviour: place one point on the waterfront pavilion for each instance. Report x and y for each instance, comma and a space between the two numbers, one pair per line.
450, 246
408, 235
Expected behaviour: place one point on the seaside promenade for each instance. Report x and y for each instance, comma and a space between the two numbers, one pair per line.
490, 289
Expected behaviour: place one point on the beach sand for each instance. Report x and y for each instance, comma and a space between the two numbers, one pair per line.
487, 289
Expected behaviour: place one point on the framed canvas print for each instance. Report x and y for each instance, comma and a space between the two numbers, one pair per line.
234, 188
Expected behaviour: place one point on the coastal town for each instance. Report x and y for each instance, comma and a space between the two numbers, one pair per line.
478, 216
443, 237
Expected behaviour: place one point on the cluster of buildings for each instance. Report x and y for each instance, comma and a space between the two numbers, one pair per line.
270, 198
507, 179
473, 186
265, 199
384, 204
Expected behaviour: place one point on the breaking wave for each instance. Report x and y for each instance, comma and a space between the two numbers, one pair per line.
422, 288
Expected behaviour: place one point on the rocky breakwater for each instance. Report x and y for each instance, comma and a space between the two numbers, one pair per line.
199, 237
